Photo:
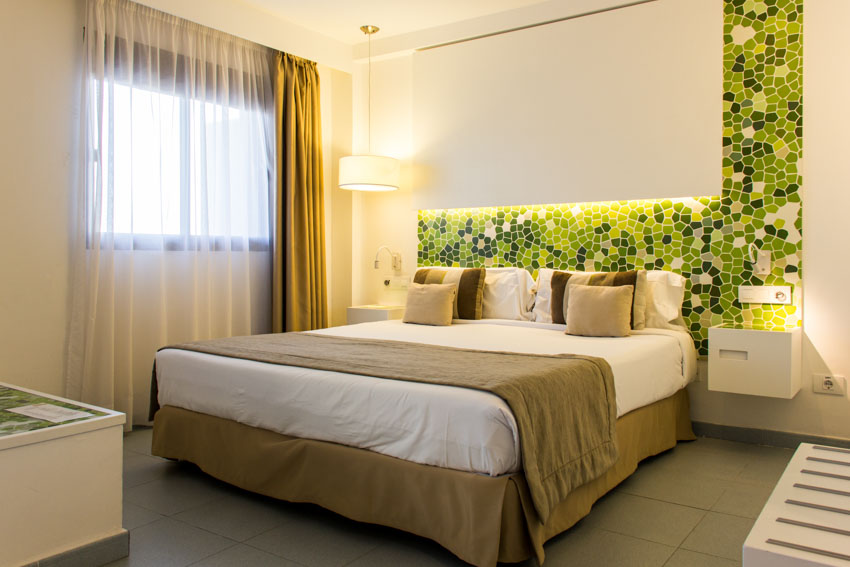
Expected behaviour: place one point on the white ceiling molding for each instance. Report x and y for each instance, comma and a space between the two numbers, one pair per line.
536, 14
310, 29
260, 26
341, 19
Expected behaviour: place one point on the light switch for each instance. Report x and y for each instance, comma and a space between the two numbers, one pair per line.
779, 294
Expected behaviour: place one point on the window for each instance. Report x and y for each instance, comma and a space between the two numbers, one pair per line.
179, 172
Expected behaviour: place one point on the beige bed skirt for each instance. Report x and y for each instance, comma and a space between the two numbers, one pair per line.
479, 518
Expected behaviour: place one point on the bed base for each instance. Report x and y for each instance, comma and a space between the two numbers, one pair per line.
479, 518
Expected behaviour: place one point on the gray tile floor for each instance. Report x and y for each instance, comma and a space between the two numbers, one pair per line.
690, 506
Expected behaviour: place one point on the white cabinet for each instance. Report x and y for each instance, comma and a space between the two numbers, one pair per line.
60, 483
754, 361
367, 313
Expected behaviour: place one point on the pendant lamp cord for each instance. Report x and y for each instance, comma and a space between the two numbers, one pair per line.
370, 94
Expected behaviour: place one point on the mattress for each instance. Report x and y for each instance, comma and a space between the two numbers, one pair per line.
444, 426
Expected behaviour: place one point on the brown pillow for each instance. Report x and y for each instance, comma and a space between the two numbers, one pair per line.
559, 283
599, 311
470, 288
430, 304
601, 279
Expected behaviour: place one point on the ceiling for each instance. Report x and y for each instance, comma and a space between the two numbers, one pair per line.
341, 19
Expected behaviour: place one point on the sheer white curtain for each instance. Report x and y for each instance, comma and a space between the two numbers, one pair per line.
173, 209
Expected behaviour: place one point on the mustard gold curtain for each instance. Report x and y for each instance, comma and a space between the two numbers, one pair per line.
299, 293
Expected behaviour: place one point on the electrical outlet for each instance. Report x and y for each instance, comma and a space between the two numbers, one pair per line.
829, 384
397, 283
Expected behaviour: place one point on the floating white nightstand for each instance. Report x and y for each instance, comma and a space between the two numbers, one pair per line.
367, 313
759, 361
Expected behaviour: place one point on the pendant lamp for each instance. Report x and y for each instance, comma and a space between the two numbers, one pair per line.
369, 172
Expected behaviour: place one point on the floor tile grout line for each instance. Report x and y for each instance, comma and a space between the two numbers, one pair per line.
213, 554
610, 531
693, 529
203, 529
679, 546
164, 515
362, 555
688, 505
706, 552
678, 504
246, 542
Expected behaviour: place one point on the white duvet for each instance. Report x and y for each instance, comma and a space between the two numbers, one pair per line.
430, 424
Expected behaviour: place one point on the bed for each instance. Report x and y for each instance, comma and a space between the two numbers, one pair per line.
434, 460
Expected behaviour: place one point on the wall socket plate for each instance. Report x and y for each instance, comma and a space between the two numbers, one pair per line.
397, 283
764, 294
829, 384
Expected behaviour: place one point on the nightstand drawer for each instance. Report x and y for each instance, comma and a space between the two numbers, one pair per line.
751, 361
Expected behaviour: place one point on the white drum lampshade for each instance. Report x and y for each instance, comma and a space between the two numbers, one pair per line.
369, 173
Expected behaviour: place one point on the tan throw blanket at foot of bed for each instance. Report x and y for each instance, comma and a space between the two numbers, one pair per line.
564, 405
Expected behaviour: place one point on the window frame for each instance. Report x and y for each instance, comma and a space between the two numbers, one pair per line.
185, 240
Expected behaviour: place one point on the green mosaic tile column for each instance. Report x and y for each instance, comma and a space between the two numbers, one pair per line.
762, 144
706, 239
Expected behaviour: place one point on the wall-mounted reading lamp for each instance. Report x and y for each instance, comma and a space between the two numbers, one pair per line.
760, 259
396, 258
369, 172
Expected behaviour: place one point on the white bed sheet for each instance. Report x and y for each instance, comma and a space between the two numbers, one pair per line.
431, 424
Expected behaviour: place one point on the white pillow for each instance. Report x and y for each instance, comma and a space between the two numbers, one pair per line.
665, 293
508, 293
542, 312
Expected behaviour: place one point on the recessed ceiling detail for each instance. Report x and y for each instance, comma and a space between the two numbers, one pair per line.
341, 19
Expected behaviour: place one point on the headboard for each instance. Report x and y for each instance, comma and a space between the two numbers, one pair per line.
696, 237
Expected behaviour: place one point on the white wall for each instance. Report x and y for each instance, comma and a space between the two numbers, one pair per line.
826, 179
41, 58
614, 106
383, 218
336, 141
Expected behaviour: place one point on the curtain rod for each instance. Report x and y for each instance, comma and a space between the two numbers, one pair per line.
538, 24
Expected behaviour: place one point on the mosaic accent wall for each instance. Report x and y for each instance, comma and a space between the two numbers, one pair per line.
704, 238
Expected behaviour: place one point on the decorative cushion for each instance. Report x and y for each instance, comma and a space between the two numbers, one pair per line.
606, 279
430, 304
545, 304
599, 311
470, 288
559, 280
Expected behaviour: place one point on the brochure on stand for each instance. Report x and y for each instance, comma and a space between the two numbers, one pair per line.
50, 412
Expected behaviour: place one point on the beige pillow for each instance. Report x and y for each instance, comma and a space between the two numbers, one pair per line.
599, 311
430, 304
634, 278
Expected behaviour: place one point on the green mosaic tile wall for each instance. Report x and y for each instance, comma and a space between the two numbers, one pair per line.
703, 238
